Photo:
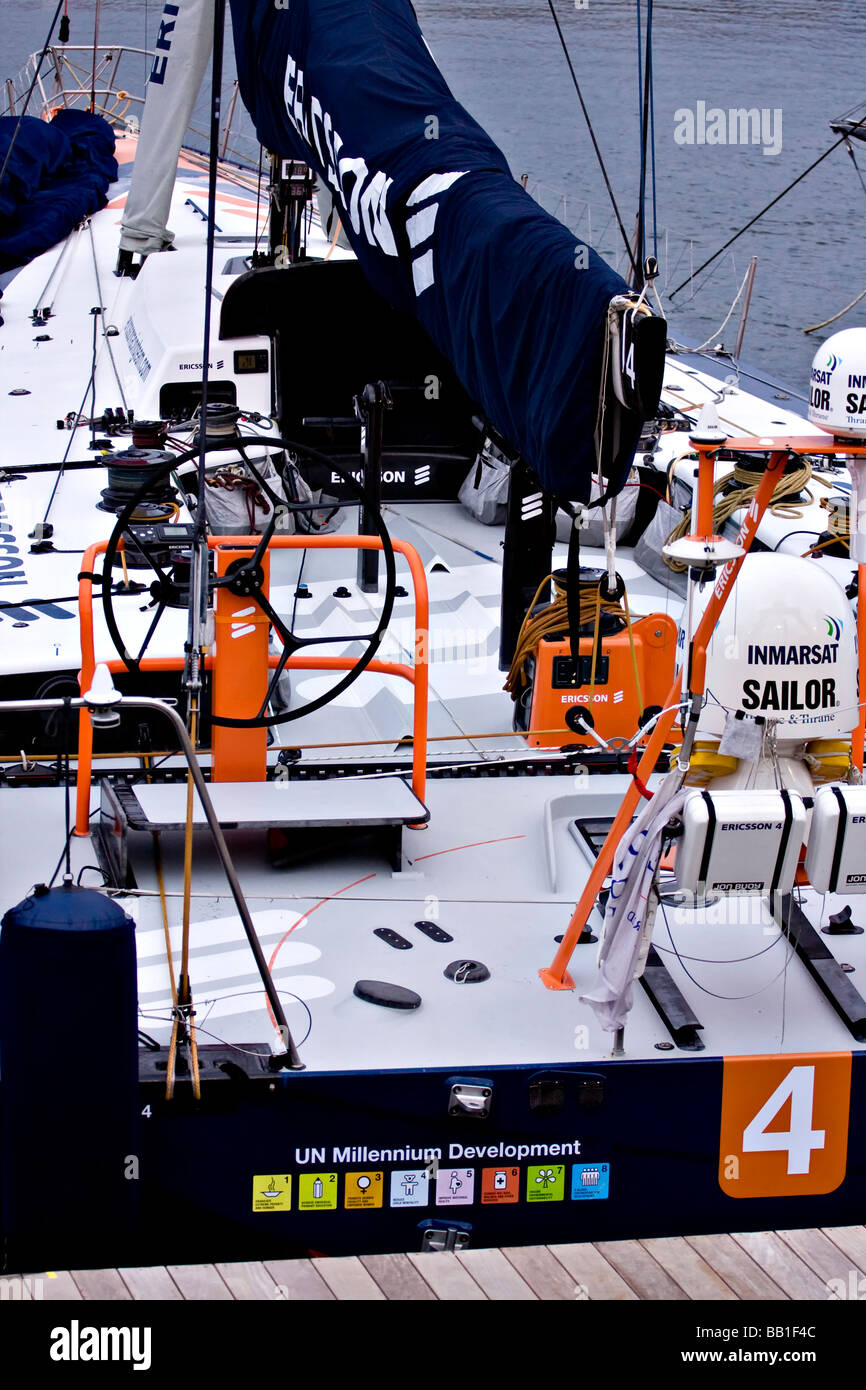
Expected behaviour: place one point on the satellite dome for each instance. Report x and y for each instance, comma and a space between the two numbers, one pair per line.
837, 385
783, 650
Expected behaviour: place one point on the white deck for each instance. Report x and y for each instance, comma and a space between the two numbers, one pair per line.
480, 870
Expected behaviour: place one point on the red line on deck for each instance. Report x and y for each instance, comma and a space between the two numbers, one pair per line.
475, 845
310, 912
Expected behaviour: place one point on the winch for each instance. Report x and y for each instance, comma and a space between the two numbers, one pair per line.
129, 470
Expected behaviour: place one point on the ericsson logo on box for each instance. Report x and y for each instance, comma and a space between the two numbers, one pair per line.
746, 825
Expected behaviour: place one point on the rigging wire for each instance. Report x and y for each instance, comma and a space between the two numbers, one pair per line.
595, 144
780, 975
644, 140
715, 960
66, 851
714, 337
105, 334
23, 111
211, 1004
836, 143
258, 203
44, 602
96, 12
67, 787
40, 307
653, 151
184, 1028
639, 58
842, 312
849, 147
78, 422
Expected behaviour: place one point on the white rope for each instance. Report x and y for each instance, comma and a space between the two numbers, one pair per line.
722, 325
816, 326
630, 909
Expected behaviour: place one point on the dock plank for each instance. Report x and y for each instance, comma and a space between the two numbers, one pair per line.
690, 1270
150, 1283
398, 1278
781, 1263
496, 1276
58, 1287
298, 1279
100, 1284
542, 1271
746, 1265
200, 1283
347, 1278
851, 1240
446, 1276
594, 1277
819, 1253
15, 1288
748, 1280
248, 1281
640, 1270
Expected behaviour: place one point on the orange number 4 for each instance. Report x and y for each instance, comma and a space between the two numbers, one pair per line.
784, 1126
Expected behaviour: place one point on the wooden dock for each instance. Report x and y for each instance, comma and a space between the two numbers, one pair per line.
749, 1266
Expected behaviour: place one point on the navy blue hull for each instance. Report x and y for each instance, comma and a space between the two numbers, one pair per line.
645, 1133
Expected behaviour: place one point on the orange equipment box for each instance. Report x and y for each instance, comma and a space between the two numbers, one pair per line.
616, 707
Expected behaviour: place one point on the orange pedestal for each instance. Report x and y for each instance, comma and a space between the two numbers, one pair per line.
240, 680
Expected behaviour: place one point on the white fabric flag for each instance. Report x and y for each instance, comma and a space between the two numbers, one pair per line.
626, 923
183, 46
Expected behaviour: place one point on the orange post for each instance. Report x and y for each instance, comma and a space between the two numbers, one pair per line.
240, 680
706, 481
857, 737
85, 680
556, 975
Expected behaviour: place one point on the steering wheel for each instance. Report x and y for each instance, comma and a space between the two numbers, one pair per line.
245, 578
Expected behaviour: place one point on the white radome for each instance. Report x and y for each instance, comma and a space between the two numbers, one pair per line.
784, 649
837, 385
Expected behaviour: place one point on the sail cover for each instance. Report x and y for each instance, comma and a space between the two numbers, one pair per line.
183, 45
510, 296
57, 173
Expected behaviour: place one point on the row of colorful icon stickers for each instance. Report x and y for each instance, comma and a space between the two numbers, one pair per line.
449, 1187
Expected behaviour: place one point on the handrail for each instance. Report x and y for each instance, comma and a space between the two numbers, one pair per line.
417, 675
109, 56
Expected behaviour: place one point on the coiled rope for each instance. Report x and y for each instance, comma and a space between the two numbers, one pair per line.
553, 618
733, 499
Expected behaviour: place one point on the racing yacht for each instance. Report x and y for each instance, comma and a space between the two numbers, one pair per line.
459, 832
